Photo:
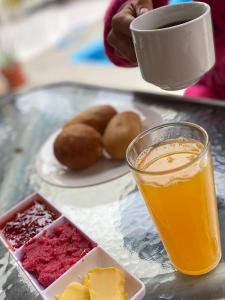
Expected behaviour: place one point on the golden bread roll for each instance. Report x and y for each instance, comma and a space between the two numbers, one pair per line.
96, 117
78, 146
120, 131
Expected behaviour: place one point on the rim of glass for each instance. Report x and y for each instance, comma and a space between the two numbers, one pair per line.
151, 130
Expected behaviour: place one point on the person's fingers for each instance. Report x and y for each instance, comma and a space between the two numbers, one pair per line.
122, 45
120, 35
121, 21
142, 6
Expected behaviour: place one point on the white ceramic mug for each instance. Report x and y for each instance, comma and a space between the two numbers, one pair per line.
178, 56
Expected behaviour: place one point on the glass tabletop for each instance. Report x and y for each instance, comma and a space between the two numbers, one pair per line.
112, 213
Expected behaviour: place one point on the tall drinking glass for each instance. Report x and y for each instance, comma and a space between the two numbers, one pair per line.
173, 169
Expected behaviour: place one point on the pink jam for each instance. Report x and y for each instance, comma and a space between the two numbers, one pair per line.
49, 256
27, 224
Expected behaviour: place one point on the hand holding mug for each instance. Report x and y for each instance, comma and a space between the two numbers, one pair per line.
120, 35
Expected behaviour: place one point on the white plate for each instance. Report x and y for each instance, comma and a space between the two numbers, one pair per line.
50, 170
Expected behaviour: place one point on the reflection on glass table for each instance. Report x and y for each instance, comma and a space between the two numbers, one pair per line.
112, 213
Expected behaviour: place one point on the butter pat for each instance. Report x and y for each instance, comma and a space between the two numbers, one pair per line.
75, 291
105, 283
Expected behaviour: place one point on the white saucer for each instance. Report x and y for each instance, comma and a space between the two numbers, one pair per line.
50, 170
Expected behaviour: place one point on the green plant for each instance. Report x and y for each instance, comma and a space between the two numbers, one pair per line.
7, 59
13, 2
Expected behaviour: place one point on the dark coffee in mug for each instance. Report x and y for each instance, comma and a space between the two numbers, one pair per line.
173, 24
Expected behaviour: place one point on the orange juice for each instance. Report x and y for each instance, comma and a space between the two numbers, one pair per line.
178, 188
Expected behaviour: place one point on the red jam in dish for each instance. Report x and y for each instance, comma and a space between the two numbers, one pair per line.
27, 224
49, 256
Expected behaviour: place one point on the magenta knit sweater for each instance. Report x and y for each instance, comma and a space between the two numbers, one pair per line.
212, 85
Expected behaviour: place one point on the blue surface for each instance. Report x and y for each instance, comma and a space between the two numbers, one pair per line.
91, 53
179, 1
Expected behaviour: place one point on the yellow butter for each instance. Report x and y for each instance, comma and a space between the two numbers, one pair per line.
85, 280
105, 284
75, 291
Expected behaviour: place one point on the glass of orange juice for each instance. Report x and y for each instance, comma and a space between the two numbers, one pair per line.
173, 169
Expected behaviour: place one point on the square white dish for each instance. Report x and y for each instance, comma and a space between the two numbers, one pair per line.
19, 254
97, 258
21, 207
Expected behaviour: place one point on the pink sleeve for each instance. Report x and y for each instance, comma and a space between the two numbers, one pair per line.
215, 78
111, 11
